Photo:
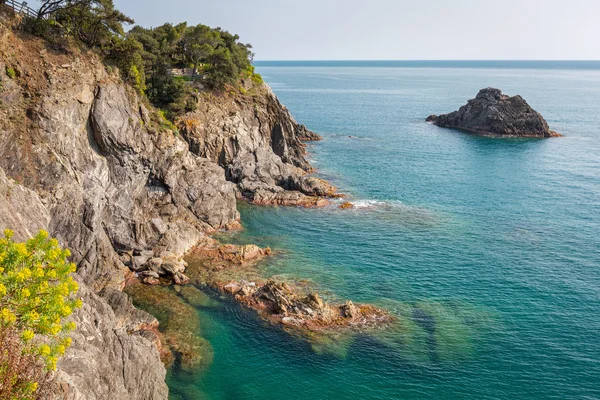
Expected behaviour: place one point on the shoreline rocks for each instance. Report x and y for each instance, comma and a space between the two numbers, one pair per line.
232, 269
258, 143
492, 113
282, 303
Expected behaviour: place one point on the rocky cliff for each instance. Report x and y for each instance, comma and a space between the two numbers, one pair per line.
496, 114
258, 143
83, 157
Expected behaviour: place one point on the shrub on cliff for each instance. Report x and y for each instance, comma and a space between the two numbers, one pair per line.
36, 295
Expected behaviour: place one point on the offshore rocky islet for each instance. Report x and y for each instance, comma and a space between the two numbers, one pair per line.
492, 113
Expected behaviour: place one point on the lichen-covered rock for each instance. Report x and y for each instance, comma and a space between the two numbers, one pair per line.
496, 114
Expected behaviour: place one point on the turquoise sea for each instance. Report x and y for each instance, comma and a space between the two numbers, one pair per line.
487, 249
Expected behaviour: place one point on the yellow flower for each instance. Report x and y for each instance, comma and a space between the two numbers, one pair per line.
60, 349
53, 254
21, 249
67, 342
33, 386
8, 233
43, 234
66, 311
34, 316
2, 290
45, 350
38, 272
64, 289
69, 326
25, 292
55, 329
27, 335
78, 303
26, 272
7, 316
52, 363
51, 274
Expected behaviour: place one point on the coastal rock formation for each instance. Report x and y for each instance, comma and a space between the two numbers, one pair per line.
280, 303
114, 352
496, 114
230, 269
82, 156
259, 144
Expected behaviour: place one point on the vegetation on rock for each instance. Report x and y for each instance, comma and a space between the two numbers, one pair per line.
146, 58
36, 296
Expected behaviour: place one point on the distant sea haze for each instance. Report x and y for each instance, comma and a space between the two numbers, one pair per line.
499, 64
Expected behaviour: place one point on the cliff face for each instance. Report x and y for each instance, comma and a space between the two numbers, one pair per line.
496, 114
258, 143
84, 158
112, 355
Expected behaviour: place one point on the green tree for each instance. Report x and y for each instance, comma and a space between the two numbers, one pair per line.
36, 296
95, 22
222, 70
198, 43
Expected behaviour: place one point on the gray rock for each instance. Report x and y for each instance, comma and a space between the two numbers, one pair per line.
107, 341
496, 114
150, 274
259, 144
112, 355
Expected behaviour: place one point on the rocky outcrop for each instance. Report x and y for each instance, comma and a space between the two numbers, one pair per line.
259, 144
82, 156
495, 114
114, 352
281, 303
112, 179
231, 269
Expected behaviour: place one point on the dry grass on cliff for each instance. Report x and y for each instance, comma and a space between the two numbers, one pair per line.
18, 370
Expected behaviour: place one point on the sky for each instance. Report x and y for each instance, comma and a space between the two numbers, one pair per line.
393, 29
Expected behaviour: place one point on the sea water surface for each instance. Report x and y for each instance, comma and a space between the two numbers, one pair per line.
487, 249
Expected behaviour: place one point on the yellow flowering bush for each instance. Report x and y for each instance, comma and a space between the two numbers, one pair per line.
36, 295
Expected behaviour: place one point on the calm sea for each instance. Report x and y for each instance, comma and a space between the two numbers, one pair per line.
487, 249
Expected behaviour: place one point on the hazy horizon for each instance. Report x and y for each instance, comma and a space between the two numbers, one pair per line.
280, 30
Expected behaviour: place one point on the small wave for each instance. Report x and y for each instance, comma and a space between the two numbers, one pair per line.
371, 204
393, 210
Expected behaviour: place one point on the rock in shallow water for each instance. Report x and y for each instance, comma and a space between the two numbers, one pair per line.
495, 114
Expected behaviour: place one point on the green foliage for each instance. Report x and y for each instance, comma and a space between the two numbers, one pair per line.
11, 73
94, 22
257, 78
145, 57
222, 70
36, 295
165, 123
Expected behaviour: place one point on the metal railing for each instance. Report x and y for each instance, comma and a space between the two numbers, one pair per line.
21, 7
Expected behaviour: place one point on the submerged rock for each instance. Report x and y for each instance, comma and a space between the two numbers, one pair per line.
495, 114
346, 205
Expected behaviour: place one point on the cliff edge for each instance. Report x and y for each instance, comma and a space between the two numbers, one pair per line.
84, 157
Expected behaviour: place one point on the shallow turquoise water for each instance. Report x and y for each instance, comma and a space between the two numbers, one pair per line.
488, 248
